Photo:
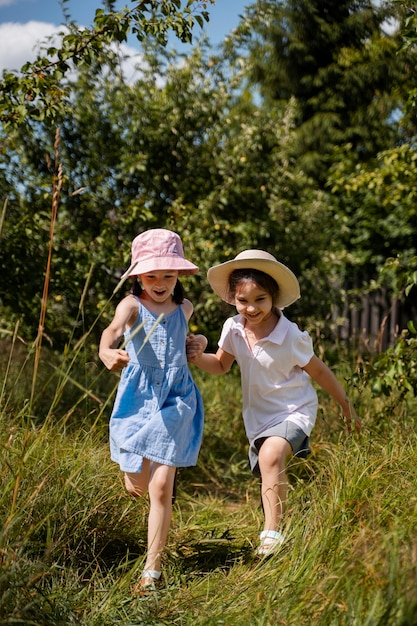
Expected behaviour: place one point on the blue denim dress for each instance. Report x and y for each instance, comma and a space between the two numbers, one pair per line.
158, 411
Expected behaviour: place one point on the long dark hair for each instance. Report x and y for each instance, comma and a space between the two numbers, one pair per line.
178, 295
264, 281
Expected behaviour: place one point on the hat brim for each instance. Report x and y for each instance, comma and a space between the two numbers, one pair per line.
182, 266
289, 289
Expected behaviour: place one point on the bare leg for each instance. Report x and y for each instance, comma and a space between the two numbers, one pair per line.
137, 484
159, 481
161, 485
272, 464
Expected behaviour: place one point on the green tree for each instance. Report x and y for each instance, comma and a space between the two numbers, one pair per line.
39, 90
187, 146
342, 67
375, 206
183, 147
32, 102
375, 212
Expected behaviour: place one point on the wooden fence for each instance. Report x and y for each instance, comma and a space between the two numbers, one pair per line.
374, 320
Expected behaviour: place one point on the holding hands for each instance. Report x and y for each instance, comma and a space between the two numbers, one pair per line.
195, 346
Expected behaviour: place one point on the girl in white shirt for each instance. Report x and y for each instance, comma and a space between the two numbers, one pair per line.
277, 363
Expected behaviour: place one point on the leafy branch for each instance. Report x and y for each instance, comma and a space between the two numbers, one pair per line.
37, 91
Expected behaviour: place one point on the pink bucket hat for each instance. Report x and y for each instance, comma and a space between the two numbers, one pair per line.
158, 249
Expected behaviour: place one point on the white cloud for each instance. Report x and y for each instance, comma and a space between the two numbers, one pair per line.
20, 42
132, 61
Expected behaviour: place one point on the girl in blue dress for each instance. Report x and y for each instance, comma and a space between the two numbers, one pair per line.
156, 424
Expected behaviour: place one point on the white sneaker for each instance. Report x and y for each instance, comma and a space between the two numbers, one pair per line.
271, 540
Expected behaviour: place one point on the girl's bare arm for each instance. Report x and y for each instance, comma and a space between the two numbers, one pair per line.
188, 309
324, 377
114, 358
218, 363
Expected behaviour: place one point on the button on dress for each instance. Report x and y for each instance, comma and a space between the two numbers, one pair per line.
158, 411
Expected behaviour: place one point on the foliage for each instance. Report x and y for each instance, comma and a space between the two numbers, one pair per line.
183, 154
38, 90
375, 206
409, 29
408, 35
394, 372
341, 66
187, 146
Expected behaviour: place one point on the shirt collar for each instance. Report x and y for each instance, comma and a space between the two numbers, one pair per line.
276, 336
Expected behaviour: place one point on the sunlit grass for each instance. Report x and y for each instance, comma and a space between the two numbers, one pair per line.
73, 541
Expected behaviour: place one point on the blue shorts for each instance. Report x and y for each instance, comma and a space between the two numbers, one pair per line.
295, 436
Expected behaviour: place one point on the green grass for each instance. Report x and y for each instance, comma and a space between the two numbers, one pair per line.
72, 541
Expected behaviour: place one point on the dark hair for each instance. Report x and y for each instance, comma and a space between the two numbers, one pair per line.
264, 281
178, 295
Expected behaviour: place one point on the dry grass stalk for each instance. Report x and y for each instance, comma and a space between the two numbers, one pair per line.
56, 191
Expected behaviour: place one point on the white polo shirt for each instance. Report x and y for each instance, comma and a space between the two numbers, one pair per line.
274, 387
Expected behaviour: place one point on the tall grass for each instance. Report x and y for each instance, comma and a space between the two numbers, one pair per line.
72, 541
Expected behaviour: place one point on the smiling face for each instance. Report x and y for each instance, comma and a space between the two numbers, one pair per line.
253, 302
159, 285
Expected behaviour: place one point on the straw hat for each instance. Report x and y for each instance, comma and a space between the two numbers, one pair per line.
159, 249
289, 289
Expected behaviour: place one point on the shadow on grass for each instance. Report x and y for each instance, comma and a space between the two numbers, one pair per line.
202, 556
196, 555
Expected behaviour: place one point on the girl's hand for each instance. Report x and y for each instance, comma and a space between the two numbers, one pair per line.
195, 346
350, 416
114, 359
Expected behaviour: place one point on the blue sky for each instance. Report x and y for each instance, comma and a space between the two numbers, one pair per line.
23, 23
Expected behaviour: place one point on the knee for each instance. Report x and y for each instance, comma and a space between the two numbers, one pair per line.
269, 457
273, 454
161, 487
161, 490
